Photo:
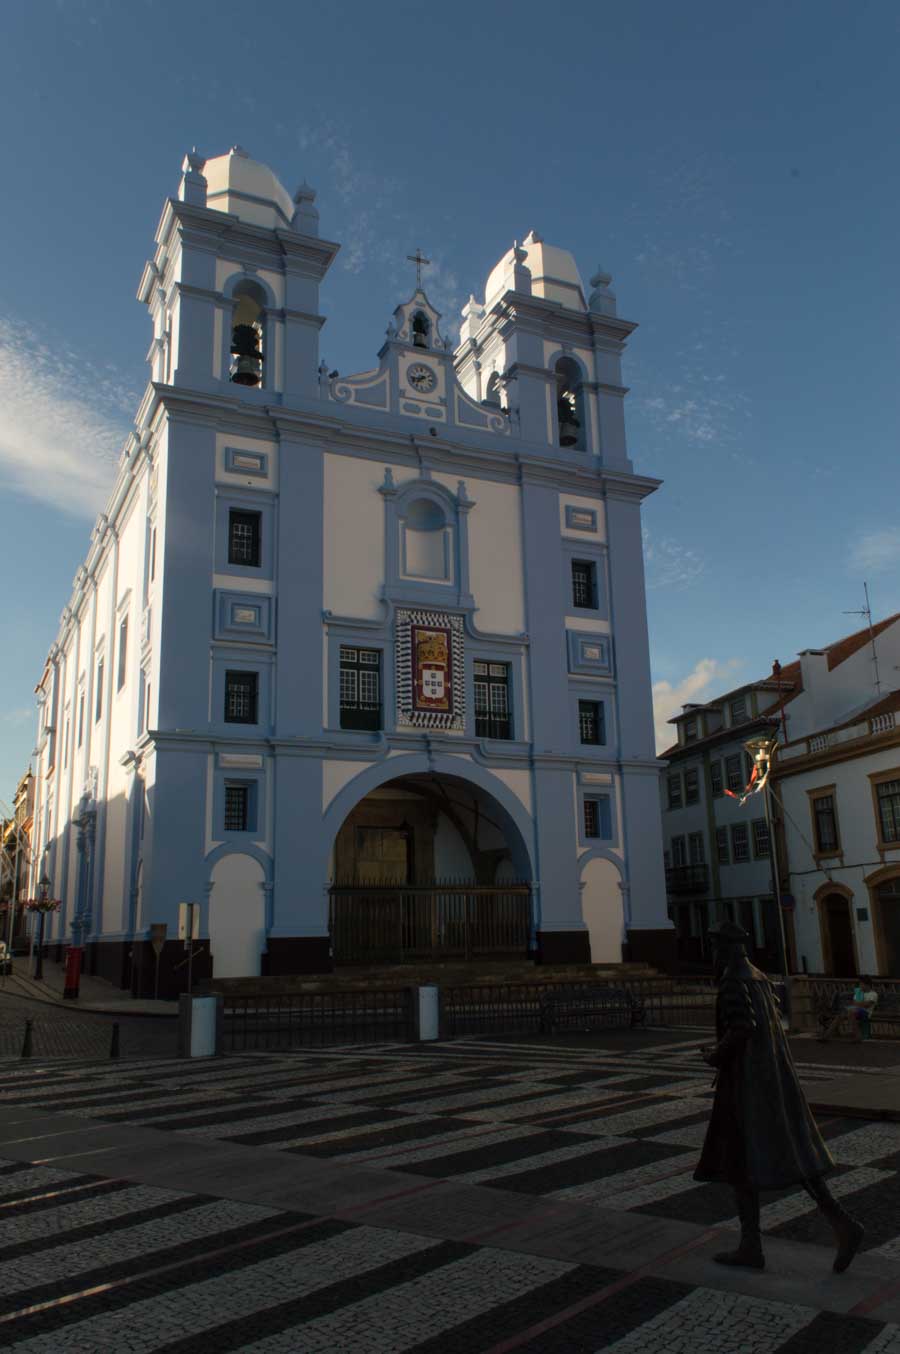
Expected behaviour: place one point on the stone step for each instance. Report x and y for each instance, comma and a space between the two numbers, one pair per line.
483, 973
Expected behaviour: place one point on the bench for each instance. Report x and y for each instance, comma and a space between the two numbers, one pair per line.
887, 1012
588, 1008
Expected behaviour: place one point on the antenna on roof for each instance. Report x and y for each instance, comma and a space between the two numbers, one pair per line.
867, 612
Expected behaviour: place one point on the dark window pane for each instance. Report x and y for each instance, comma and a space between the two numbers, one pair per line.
692, 786
760, 837
590, 722
241, 690
826, 823
740, 843
590, 818
733, 773
236, 808
674, 787
722, 846
583, 584
360, 685
243, 538
715, 777
492, 715
123, 653
889, 810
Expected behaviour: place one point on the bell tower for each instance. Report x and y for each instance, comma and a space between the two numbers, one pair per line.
233, 286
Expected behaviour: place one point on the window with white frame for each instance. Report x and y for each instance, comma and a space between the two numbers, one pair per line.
761, 847
98, 694
737, 709
679, 851
673, 785
690, 729
722, 854
715, 779
584, 584
733, 772
492, 704
591, 722
241, 697
360, 679
825, 822
740, 843
696, 852
598, 817
692, 785
237, 806
887, 795
122, 670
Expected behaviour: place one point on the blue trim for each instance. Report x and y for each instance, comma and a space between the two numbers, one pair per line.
237, 660
579, 643
581, 690
230, 607
258, 500
255, 779
259, 462
591, 552
598, 792
360, 639
453, 591
603, 853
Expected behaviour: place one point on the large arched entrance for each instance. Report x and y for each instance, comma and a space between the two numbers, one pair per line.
836, 924
429, 866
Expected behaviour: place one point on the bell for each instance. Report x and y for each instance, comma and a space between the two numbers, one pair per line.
247, 370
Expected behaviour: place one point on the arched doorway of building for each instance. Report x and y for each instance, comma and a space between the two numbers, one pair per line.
237, 916
838, 945
886, 906
601, 907
429, 866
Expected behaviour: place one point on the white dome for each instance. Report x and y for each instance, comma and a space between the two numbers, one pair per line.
554, 275
248, 189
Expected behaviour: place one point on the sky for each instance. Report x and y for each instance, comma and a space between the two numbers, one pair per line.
734, 167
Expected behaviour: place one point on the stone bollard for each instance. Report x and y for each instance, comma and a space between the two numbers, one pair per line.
429, 1011
26, 1042
114, 1041
200, 1026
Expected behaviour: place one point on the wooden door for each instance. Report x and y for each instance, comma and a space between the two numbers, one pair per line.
840, 937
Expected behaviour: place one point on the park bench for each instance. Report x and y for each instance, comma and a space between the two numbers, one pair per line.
886, 1013
589, 1008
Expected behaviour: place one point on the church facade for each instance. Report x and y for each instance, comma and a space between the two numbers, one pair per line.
358, 664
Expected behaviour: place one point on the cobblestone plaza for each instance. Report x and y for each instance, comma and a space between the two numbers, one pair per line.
477, 1196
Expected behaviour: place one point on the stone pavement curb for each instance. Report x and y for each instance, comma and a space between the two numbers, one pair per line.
21, 985
629, 1242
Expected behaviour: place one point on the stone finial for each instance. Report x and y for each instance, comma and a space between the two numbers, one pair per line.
306, 218
192, 188
601, 299
521, 274
472, 315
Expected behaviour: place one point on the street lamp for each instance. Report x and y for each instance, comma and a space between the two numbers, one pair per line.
42, 904
762, 751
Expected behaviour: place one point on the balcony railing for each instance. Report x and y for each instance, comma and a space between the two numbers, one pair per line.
361, 715
685, 879
493, 726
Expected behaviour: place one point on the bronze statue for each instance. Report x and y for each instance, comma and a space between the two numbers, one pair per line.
761, 1132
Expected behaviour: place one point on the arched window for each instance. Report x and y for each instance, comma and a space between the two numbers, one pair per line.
570, 412
425, 540
421, 328
248, 329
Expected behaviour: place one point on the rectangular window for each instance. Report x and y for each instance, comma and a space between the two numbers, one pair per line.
492, 713
598, 817
888, 796
80, 719
237, 807
241, 697
584, 584
825, 819
692, 786
673, 785
740, 843
722, 846
360, 678
66, 744
148, 691
690, 730
696, 852
761, 848
244, 538
679, 851
591, 722
715, 778
98, 694
738, 709
733, 772
123, 653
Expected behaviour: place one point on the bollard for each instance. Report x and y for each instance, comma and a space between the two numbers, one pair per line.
429, 1011
26, 1042
114, 1042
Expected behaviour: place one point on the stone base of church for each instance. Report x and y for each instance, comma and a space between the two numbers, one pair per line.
563, 947
297, 954
109, 959
656, 947
173, 969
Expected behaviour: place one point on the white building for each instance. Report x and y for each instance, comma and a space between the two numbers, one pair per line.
838, 777
338, 639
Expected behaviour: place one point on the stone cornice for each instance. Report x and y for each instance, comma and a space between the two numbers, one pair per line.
866, 746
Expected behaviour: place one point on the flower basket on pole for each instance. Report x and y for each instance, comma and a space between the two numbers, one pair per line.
42, 905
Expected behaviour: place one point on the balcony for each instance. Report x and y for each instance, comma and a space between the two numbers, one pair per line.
687, 879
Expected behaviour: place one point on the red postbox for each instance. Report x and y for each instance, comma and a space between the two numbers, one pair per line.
73, 972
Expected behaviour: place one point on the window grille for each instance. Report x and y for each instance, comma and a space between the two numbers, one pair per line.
818, 744
715, 778
888, 794
696, 850
722, 846
761, 846
598, 817
360, 687
584, 578
241, 697
237, 808
826, 823
692, 786
591, 722
733, 772
244, 538
740, 843
674, 790
679, 851
882, 723
738, 709
590, 818
492, 714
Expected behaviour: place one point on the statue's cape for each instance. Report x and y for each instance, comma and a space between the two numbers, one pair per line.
761, 1132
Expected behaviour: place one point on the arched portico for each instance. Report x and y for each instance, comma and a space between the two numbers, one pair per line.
835, 907
430, 858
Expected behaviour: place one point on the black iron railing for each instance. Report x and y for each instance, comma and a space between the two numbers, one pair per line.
317, 1019
681, 879
383, 924
493, 726
361, 715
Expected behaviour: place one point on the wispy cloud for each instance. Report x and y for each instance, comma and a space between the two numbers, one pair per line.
670, 564
62, 421
17, 718
697, 686
876, 551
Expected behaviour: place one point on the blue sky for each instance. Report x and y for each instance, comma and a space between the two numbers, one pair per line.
734, 167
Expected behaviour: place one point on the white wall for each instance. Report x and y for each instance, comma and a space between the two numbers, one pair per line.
354, 542
237, 916
601, 905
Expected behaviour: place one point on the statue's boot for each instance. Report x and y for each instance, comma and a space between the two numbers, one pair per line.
848, 1231
749, 1253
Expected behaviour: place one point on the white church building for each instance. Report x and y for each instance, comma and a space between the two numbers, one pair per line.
358, 664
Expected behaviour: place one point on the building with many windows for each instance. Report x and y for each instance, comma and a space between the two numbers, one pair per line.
358, 663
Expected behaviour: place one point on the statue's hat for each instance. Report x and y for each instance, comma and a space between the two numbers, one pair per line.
729, 933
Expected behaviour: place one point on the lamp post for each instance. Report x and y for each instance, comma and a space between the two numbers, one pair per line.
762, 750
42, 905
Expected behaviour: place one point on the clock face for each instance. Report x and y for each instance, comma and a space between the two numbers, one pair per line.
421, 378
